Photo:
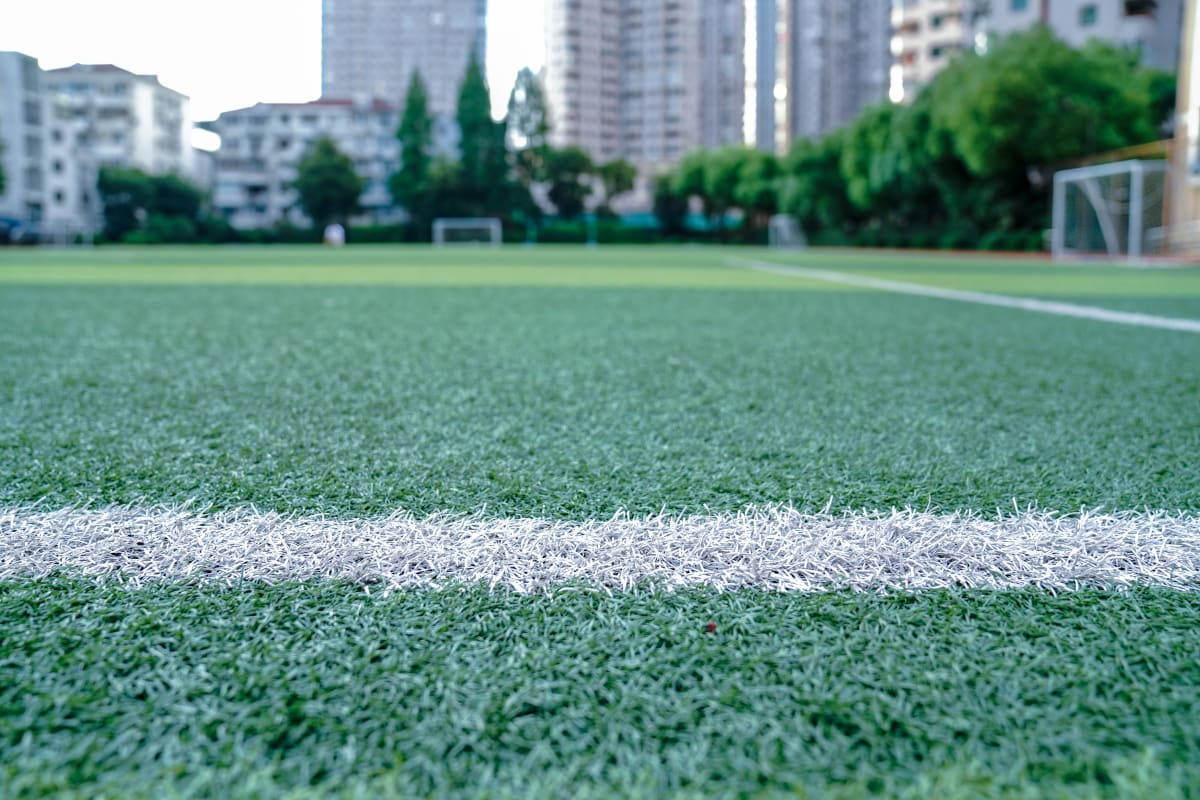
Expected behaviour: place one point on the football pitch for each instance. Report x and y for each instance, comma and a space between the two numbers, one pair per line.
393, 521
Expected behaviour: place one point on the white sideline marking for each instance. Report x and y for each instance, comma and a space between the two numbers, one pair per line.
773, 548
982, 298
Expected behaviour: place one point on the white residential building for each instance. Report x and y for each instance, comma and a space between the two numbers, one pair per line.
22, 138
261, 148
928, 33
369, 48
101, 115
1150, 26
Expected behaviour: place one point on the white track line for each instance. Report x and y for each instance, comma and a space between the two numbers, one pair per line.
777, 549
982, 298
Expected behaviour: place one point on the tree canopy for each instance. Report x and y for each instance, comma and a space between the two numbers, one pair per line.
327, 185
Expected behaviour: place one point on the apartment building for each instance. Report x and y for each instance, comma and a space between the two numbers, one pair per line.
261, 148
370, 48
61, 126
1150, 26
645, 81
928, 33
22, 137
819, 63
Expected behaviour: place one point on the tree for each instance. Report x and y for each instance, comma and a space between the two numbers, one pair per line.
328, 186
757, 189
410, 185
483, 156
528, 126
616, 178
669, 207
146, 208
721, 171
175, 197
1031, 104
814, 191
566, 171
1034, 101
127, 196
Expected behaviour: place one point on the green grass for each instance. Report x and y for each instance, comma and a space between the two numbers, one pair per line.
569, 383
572, 401
259, 690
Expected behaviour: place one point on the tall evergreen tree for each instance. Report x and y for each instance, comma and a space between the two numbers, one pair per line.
410, 185
483, 156
528, 123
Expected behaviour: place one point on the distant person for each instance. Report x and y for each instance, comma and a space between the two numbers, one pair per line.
335, 234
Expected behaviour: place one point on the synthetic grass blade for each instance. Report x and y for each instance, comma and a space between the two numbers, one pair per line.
773, 548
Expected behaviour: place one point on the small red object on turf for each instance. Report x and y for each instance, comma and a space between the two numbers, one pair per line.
711, 627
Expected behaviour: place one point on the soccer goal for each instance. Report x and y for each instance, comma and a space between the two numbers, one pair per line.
1114, 210
784, 231
467, 230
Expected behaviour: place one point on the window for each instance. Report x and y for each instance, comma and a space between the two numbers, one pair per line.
1019, 5
1088, 15
1138, 8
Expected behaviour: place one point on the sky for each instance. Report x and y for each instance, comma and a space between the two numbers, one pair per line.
227, 54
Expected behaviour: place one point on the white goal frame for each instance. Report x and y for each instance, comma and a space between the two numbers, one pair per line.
784, 231
1117, 217
491, 225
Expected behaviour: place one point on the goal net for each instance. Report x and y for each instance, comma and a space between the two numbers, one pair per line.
472, 230
1114, 210
784, 231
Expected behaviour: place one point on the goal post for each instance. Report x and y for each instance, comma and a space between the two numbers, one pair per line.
784, 231
1114, 210
467, 230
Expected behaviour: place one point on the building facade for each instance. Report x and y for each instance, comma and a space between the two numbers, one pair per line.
261, 148
820, 62
645, 81
61, 126
101, 115
370, 48
1150, 26
22, 137
928, 33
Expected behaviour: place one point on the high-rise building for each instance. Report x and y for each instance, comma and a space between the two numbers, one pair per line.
22, 137
818, 64
1150, 26
645, 80
370, 48
928, 33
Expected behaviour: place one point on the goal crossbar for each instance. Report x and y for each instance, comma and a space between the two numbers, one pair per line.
1120, 202
451, 230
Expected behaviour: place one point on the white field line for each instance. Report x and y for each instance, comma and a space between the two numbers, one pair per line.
774, 548
982, 298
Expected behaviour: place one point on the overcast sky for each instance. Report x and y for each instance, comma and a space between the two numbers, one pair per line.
227, 54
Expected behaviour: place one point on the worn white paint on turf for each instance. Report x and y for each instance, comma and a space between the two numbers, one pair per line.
982, 298
773, 548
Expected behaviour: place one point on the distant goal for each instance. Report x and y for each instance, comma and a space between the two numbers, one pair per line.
784, 231
1110, 210
467, 231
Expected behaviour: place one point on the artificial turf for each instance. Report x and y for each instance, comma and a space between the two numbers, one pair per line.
261, 691
571, 391
569, 384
